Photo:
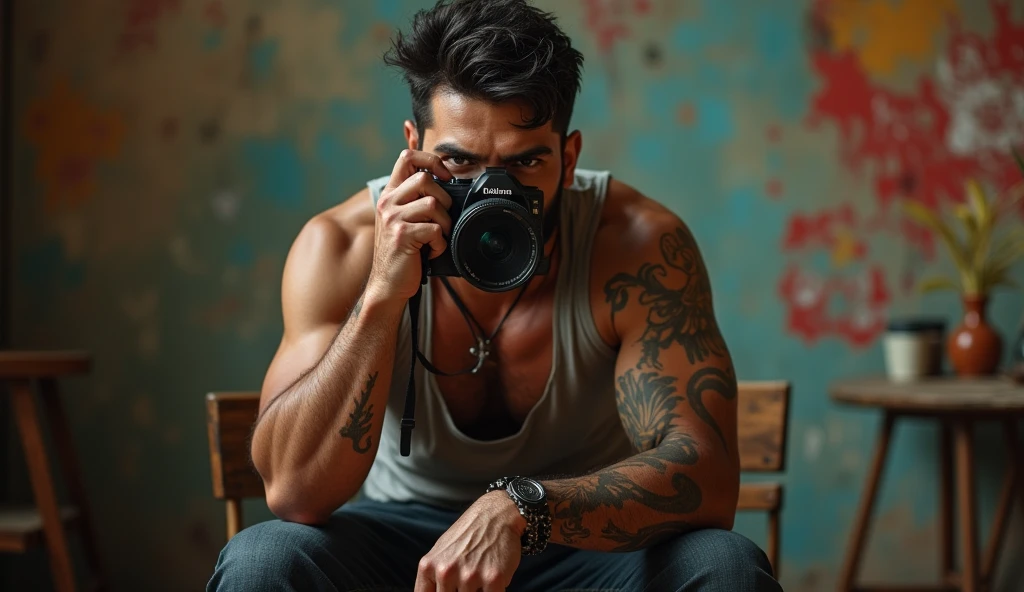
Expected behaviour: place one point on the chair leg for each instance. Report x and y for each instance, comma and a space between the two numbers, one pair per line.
970, 580
61, 431
42, 484
773, 541
234, 508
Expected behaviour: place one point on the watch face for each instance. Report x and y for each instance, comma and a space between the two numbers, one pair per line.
528, 489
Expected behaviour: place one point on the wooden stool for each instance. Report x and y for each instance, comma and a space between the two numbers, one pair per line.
21, 529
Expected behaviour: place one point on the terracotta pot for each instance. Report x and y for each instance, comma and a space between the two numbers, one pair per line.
974, 347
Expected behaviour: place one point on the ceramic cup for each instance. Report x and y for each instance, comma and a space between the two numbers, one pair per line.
913, 348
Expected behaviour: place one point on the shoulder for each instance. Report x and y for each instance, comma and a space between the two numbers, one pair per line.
330, 259
643, 248
633, 227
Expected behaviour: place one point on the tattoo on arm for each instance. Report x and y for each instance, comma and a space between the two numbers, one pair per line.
359, 420
647, 404
710, 379
614, 486
643, 537
683, 315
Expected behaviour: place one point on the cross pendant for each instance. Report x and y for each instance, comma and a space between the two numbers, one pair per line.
482, 350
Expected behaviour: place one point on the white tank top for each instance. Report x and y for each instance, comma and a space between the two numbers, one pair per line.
573, 429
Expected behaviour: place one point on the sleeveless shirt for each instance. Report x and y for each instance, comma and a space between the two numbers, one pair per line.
573, 429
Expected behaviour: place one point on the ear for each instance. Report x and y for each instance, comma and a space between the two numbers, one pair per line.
570, 155
412, 136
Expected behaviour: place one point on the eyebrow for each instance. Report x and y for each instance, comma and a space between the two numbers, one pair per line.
454, 150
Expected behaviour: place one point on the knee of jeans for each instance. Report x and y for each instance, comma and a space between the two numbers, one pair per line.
268, 549
718, 555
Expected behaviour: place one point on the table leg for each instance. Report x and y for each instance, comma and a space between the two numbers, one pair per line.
967, 504
42, 484
61, 431
1005, 506
861, 522
946, 566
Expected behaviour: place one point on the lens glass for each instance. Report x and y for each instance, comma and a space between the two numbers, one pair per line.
494, 246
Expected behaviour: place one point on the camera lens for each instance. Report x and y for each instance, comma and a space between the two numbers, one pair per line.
494, 246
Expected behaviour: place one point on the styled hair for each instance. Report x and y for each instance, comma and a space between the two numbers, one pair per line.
492, 50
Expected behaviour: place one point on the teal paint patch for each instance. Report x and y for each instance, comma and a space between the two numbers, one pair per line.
774, 160
45, 266
689, 37
213, 39
261, 58
277, 170
241, 254
714, 121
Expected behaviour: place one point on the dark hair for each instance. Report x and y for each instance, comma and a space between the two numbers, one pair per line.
494, 50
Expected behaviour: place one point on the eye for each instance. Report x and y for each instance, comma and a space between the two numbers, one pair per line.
458, 161
528, 163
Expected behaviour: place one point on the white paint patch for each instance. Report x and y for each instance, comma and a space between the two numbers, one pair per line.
986, 114
226, 205
814, 439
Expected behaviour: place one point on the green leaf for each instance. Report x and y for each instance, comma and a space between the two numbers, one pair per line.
978, 202
925, 216
937, 283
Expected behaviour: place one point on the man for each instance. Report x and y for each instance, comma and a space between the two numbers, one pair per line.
592, 408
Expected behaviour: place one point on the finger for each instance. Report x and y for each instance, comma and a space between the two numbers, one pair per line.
424, 234
411, 161
417, 186
424, 584
494, 581
427, 209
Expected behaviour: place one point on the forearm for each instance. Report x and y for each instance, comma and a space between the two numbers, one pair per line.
315, 442
641, 500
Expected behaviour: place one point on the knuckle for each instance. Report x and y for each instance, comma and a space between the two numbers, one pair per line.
425, 565
429, 202
405, 154
490, 577
443, 571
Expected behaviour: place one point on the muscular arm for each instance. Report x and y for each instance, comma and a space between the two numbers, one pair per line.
323, 398
676, 394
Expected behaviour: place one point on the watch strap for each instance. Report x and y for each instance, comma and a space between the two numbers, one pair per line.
538, 518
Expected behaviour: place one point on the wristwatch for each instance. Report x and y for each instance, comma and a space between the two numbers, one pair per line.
532, 501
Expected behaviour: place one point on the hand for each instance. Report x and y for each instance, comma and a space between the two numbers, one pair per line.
412, 213
481, 551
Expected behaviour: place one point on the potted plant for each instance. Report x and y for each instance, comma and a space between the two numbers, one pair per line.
983, 261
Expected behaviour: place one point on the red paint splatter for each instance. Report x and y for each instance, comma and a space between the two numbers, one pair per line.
808, 298
822, 229
920, 144
774, 133
606, 20
215, 14
141, 19
904, 137
773, 188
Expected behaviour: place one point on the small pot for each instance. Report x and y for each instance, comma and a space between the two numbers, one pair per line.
974, 347
913, 348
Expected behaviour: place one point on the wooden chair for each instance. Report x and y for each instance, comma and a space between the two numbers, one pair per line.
762, 427
763, 417
229, 421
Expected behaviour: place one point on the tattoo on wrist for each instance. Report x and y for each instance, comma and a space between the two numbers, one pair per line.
360, 419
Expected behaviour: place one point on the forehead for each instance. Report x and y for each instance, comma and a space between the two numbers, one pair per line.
483, 127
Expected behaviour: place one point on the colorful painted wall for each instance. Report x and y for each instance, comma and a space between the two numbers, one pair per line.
167, 152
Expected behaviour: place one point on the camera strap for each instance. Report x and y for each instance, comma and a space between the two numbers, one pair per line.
409, 413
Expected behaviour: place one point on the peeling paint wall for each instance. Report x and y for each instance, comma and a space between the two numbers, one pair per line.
166, 152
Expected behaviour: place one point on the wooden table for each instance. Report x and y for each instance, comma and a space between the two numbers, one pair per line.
45, 523
957, 404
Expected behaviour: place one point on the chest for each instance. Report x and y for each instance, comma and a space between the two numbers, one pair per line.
493, 402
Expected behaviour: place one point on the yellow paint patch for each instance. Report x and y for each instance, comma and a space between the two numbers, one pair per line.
845, 249
884, 32
71, 136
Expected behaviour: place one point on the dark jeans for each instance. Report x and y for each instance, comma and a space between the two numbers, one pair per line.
376, 547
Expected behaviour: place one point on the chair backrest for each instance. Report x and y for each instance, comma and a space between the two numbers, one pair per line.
763, 417
229, 420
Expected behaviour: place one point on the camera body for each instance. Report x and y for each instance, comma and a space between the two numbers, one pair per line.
497, 237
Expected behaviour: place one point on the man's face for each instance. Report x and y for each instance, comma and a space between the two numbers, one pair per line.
470, 135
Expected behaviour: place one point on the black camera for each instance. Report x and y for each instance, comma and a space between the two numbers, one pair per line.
497, 238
